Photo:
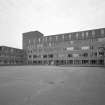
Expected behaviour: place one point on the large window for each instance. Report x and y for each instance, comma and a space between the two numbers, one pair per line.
102, 31
85, 54
44, 56
75, 55
34, 56
69, 55
85, 47
70, 48
50, 55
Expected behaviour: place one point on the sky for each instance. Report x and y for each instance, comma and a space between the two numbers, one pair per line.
49, 17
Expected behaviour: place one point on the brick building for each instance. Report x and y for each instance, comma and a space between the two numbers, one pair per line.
12, 56
76, 48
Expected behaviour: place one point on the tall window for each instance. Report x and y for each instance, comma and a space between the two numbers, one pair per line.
85, 47
63, 37
102, 31
39, 40
70, 48
87, 34
82, 35
76, 35
29, 41
85, 54
69, 36
93, 33
34, 41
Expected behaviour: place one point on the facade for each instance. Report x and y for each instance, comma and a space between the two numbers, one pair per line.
76, 48
12, 56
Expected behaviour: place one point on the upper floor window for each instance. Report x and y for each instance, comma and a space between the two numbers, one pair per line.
70, 48
76, 35
82, 34
69, 36
85, 47
0, 48
93, 33
34, 56
71, 42
85, 54
29, 41
102, 31
45, 56
39, 40
87, 34
75, 55
69, 55
63, 37
50, 55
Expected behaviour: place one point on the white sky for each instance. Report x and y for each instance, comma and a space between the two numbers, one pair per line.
48, 16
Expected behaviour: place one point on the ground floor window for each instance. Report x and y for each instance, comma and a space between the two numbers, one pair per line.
101, 62
85, 61
69, 61
93, 61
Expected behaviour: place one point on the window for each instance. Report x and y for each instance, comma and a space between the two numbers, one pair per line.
85, 54
71, 42
63, 37
85, 61
102, 31
34, 41
44, 56
83, 35
29, 41
76, 35
91, 47
70, 48
95, 54
34, 56
75, 55
39, 40
69, 55
69, 36
30, 56
50, 38
49, 44
93, 33
50, 55
101, 39
0, 48
87, 34
85, 47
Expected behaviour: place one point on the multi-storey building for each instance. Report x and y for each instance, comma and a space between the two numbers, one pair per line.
76, 48
9, 55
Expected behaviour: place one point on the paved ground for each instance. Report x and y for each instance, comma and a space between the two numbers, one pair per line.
48, 85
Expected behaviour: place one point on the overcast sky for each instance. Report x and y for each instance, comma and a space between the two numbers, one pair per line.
48, 16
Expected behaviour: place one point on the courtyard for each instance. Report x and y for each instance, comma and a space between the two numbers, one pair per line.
52, 85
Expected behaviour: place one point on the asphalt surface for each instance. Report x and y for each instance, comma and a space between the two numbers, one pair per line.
51, 85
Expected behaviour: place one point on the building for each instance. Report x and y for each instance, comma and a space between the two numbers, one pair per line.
12, 56
76, 48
